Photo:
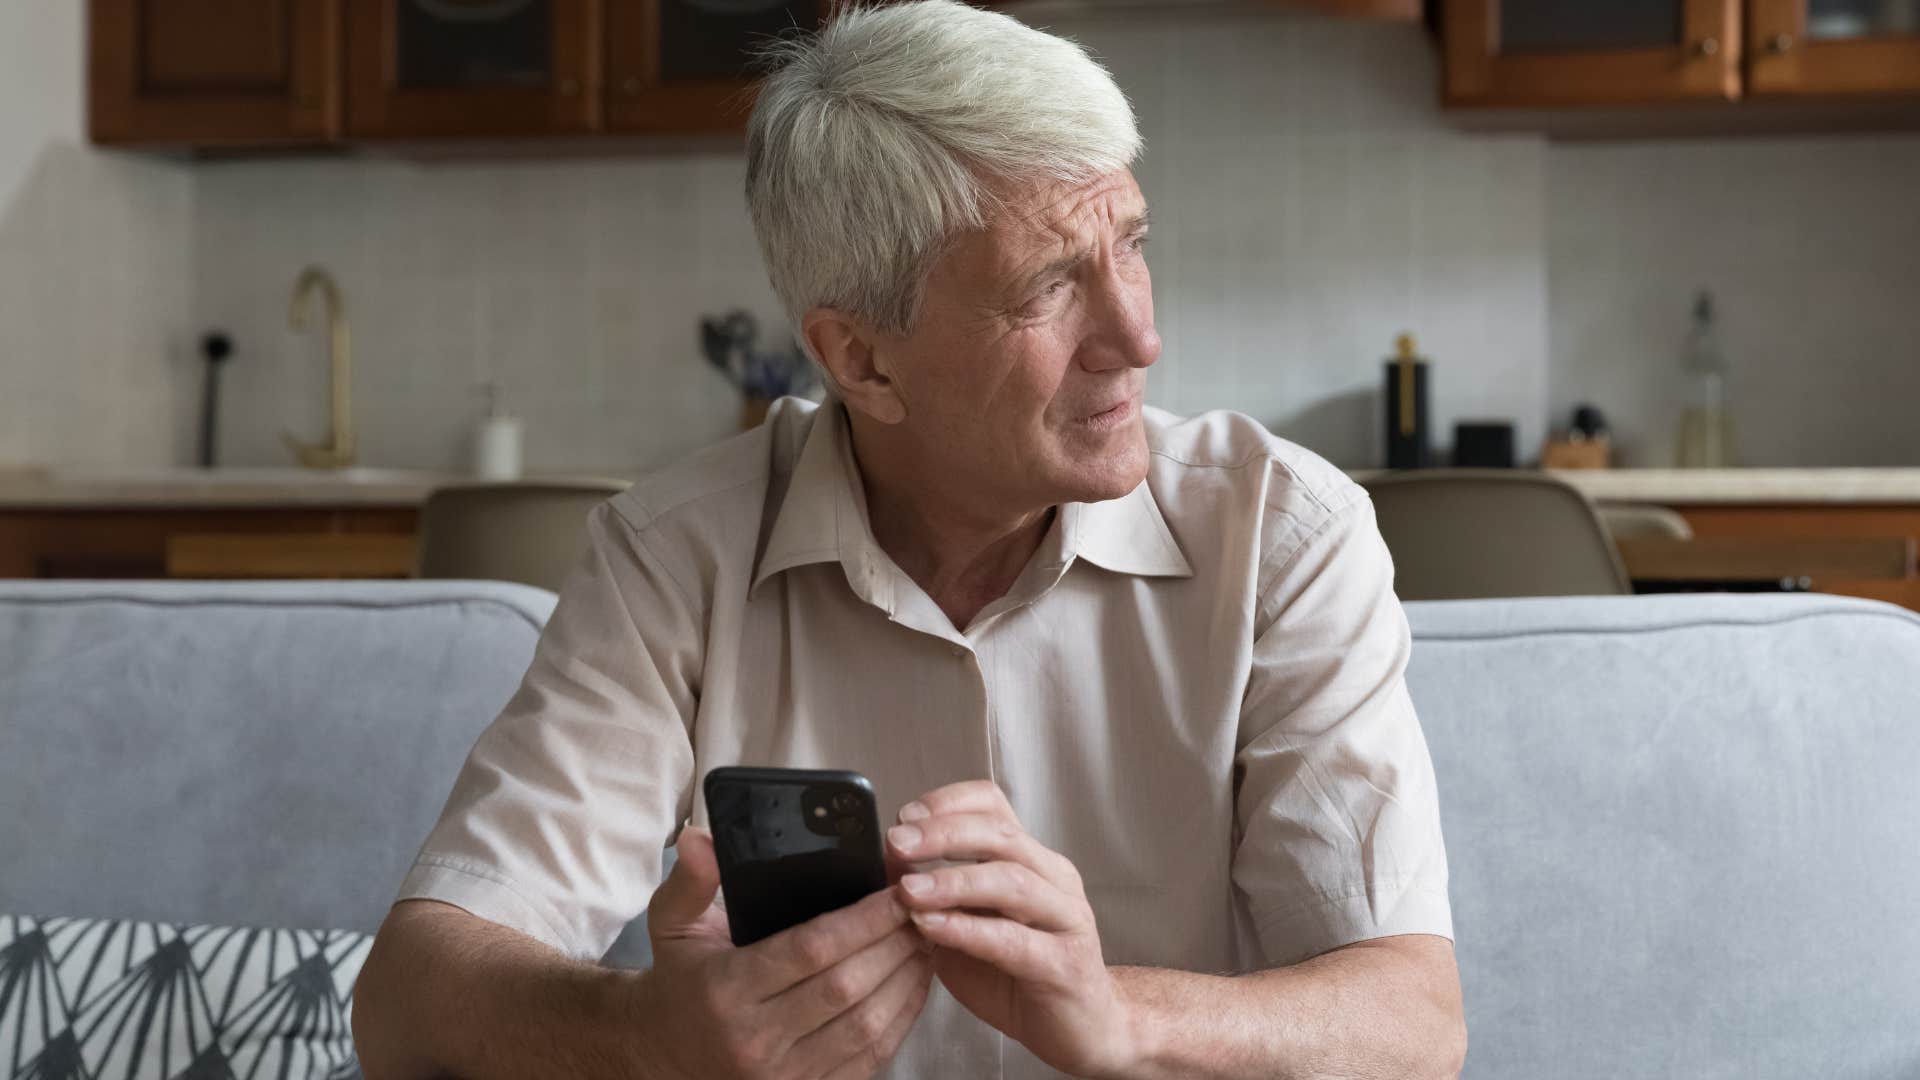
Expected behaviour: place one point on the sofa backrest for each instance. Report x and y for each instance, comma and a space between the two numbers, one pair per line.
1683, 832
260, 753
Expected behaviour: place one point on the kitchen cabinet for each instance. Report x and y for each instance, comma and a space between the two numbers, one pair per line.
214, 72
155, 542
1400, 10
1577, 52
1833, 48
1830, 523
472, 67
291, 555
1553, 53
219, 73
685, 65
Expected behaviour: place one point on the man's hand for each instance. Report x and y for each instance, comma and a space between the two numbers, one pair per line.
1016, 938
830, 999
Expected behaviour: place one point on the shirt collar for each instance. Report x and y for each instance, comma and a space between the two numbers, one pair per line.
1127, 535
823, 514
823, 518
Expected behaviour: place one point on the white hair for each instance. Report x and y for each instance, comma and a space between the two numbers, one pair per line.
874, 142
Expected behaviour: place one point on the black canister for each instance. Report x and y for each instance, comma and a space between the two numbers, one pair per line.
1483, 444
1406, 397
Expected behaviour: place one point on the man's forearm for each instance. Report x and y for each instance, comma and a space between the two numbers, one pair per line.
445, 994
1370, 1010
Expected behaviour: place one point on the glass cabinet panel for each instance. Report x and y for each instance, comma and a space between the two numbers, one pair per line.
715, 39
470, 44
1539, 25
1836, 20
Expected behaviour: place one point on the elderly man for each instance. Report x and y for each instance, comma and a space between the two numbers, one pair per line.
1133, 684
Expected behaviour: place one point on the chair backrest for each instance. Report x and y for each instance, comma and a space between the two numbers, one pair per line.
1459, 534
529, 532
1640, 521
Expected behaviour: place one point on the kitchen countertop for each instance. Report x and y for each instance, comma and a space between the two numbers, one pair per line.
108, 488
1736, 486
1694, 486
186, 487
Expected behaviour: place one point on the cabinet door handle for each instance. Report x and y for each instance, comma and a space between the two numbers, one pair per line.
1780, 43
1707, 47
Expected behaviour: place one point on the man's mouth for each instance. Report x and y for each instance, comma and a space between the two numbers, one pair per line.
1113, 415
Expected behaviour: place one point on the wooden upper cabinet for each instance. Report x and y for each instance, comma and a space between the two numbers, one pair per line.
1389, 10
210, 73
423, 68
1833, 48
213, 72
1591, 52
686, 65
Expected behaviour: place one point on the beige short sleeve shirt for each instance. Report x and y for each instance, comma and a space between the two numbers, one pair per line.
1194, 692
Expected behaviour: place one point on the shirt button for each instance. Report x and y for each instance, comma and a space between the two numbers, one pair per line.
958, 650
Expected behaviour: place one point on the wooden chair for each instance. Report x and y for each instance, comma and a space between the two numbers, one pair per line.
532, 532
1467, 533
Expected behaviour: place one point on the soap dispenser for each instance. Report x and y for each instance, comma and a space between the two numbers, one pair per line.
496, 442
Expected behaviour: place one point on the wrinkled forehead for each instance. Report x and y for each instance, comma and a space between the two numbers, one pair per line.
1060, 214
1036, 223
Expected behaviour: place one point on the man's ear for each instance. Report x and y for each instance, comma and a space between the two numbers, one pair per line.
846, 349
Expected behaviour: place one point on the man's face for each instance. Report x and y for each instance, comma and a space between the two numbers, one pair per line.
1025, 373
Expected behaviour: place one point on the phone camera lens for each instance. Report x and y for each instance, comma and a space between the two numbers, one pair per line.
846, 802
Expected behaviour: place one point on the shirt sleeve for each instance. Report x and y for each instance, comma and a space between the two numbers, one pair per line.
1338, 822
558, 821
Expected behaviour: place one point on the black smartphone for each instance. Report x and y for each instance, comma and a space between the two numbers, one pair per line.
792, 844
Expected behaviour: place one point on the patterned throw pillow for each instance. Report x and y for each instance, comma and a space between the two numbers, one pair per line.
107, 999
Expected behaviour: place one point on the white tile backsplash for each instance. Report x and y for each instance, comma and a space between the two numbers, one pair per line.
96, 362
1811, 246
574, 284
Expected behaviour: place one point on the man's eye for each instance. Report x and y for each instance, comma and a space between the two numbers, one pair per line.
1052, 290
1042, 299
1137, 241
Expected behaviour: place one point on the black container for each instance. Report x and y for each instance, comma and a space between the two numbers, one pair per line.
1484, 444
1408, 429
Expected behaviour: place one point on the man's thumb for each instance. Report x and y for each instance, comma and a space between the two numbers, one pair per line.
690, 888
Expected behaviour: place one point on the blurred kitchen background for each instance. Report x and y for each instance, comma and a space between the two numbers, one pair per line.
534, 202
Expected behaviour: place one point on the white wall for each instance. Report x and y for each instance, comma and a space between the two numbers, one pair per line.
1308, 206
96, 364
1812, 249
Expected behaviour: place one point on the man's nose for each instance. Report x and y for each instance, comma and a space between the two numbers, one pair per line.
1122, 332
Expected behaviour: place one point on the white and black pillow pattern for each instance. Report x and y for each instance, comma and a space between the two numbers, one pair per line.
107, 999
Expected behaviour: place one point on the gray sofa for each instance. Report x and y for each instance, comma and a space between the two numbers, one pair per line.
1682, 830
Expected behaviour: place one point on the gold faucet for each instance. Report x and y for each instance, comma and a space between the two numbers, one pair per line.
338, 452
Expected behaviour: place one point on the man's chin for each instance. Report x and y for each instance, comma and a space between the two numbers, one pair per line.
1115, 474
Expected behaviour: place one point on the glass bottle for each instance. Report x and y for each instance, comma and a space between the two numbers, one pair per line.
1706, 434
